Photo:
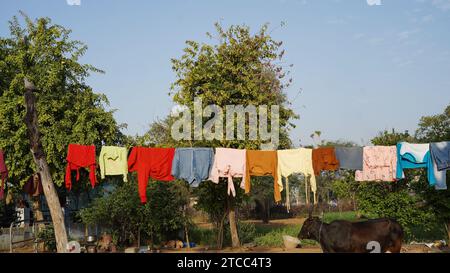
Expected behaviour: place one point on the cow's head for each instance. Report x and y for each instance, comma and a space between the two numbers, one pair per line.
310, 228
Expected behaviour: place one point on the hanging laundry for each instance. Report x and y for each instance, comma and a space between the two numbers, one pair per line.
229, 163
379, 164
114, 161
324, 159
411, 156
3, 174
295, 161
80, 156
192, 164
350, 158
155, 163
33, 187
262, 163
440, 153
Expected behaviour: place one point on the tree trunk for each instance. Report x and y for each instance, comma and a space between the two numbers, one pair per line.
233, 225
220, 231
266, 211
306, 191
37, 151
37, 212
38, 217
447, 227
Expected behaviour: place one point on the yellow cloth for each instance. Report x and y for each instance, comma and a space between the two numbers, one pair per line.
114, 161
296, 161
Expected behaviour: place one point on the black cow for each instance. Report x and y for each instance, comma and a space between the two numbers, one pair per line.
357, 237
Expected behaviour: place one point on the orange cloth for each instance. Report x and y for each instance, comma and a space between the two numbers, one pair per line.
324, 159
262, 163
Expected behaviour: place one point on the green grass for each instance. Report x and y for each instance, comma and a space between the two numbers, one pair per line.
272, 235
267, 236
202, 236
345, 215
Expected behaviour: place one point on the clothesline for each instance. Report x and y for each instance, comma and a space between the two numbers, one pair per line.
371, 163
194, 165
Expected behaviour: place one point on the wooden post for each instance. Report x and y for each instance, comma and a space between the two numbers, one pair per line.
306, 190
233, 225
186, 232
31, 121
447, 228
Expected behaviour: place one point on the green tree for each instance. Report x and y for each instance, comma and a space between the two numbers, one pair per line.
69, 110
239, 68
61, 108
435, 129
396, 199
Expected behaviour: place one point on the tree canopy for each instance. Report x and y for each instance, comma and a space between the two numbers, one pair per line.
69, 110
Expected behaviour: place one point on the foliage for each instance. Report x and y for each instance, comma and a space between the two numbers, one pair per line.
7, 213
387, 138
69, 111
412, 201
241, 68
247, 231
390, 200
435, 129
123, 215
47, 236
202, 236
345, 186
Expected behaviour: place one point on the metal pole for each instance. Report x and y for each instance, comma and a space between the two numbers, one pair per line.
10, 238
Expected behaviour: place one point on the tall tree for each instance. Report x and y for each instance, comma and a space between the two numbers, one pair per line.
435, 128
68, 111
398, 200
238, 68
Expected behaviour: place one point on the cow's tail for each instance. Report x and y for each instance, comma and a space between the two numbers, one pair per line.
397, 235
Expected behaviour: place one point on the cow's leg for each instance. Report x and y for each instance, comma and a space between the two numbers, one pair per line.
396, 247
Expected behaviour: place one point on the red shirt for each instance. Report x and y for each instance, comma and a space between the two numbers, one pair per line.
80, 156
150, 162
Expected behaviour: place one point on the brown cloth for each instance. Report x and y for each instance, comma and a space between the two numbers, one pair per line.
33, 187
262, 163
324, 159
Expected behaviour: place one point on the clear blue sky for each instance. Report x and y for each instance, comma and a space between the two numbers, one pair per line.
363, 68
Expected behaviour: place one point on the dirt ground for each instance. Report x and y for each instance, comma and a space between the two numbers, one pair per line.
306, 249
272, 223
407, 248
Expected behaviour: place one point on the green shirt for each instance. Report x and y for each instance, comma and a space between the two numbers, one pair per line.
113, 161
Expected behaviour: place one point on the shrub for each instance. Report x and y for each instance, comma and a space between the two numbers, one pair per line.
122, 213
47, 236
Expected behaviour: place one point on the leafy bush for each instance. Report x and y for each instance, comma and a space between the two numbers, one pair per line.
47, 236
247, 232
7, 214
393, 201
203, 236
122, 213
